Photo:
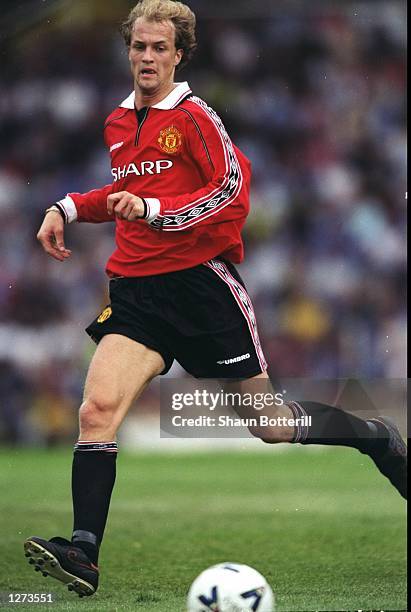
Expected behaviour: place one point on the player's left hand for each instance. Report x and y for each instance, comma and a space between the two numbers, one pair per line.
125, 206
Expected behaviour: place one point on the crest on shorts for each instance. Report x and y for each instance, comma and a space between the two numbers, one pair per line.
105, 315
170, 140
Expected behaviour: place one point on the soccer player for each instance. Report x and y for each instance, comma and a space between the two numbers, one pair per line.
179, 199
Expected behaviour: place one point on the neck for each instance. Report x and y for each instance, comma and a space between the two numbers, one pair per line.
143, 99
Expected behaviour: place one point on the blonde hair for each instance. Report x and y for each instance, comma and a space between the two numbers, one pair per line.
178, 13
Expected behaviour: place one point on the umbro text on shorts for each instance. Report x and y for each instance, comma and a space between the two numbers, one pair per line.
202, 317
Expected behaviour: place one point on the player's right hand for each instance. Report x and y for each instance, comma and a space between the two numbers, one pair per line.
51, 236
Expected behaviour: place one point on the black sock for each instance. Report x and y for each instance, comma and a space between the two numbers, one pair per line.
333, 426
93, 476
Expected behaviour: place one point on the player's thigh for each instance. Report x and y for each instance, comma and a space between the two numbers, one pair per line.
120, 370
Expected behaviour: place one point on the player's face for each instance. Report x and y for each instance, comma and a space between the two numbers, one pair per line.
153, 56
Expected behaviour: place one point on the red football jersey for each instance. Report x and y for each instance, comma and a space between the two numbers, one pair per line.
178, 156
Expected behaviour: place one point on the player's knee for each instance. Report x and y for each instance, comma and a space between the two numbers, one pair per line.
96, 412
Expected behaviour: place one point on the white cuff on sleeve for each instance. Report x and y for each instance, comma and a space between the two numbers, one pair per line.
153, 206
69, 208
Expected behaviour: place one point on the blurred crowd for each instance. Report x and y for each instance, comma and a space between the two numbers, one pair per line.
313, 94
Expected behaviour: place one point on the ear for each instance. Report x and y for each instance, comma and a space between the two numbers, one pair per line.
179, 57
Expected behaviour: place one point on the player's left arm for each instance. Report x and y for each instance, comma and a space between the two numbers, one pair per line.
226, 171
127, 206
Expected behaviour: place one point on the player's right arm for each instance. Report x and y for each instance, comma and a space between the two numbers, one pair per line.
51, 235
90, 207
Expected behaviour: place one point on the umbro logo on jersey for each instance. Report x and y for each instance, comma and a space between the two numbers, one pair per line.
234, 359
145, 167
116, 146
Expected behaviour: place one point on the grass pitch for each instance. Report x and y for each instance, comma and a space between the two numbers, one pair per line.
324, 527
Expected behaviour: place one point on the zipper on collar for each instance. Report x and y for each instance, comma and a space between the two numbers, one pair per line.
141, 116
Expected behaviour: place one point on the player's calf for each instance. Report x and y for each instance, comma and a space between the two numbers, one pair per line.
272, 434
271, 426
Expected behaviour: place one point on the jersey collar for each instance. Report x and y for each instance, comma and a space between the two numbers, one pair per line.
171, 101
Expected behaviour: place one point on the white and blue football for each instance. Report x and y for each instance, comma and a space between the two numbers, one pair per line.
230, 587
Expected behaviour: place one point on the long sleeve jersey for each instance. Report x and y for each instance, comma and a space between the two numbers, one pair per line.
178, 157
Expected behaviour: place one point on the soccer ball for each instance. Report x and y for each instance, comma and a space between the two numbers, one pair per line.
230, 587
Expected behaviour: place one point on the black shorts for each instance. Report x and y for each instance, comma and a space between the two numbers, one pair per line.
202, 317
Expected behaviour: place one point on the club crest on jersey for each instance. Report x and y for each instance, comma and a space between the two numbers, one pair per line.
104, 315
170, 140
